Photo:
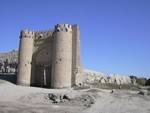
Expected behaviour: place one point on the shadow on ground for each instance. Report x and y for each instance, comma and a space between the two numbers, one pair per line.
9, 77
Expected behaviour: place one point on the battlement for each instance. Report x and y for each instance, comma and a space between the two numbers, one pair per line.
63, 27
27, 34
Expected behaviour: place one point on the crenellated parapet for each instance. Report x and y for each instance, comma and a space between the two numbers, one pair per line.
27, 34
63, 28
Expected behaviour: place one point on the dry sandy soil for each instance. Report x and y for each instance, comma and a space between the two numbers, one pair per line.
19, 99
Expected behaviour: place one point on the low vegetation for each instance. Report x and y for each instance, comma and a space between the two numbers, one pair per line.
141, 81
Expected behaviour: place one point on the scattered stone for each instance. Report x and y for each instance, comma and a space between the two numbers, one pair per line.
87, 100
66, 97
57, 98
141, 93
54, 98
112, 91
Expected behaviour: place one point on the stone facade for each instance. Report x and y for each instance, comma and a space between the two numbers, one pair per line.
49, 58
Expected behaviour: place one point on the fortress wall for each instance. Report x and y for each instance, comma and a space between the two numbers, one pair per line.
62, 57
42, 59
25, 57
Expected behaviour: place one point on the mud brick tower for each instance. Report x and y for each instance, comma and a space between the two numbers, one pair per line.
49, 58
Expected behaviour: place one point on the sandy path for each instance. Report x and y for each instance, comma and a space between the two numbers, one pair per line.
7, 107
18, 99
121, 102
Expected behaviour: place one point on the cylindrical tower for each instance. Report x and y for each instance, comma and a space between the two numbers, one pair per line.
76, 63
62, 56
25, 57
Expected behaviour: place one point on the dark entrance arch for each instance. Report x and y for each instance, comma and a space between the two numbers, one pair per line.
42, 66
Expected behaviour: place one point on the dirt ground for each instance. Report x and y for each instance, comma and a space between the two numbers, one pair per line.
19, 99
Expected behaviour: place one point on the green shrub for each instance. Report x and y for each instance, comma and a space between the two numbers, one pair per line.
148, 82
141, 81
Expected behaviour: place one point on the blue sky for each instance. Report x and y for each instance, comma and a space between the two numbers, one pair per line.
115, 34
